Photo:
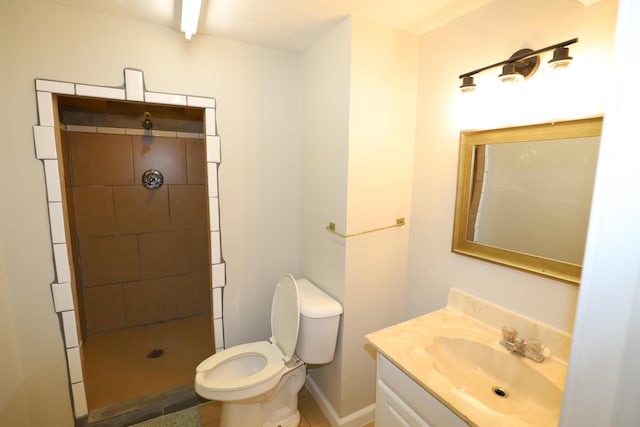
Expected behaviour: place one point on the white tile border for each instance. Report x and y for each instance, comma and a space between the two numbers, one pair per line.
79, 399
56, 220
46, 150
45, 108
62, 297
213, 149
214, 214
53, 86
218, 276
74, 362
52, 180
134, 84
45, 140
212, 179
165, 98
69, 326
100, 91
61, 258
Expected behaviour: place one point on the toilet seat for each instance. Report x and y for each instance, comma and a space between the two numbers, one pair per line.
213, 377
248, 370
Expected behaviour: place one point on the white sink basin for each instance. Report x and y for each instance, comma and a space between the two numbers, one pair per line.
497, 379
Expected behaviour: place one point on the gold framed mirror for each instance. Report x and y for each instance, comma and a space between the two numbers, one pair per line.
524, 195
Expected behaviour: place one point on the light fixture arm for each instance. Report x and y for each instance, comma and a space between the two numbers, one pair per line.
516, 58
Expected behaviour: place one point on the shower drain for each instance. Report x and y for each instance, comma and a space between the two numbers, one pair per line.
499, 391
153, 354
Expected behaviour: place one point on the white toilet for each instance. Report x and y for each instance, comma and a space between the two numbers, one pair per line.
258, 383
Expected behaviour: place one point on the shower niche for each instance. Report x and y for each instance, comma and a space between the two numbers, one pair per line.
132, 191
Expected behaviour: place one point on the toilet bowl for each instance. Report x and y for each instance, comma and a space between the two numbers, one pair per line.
258, 383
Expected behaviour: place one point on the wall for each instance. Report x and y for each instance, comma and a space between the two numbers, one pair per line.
482, 37
258, 121
143, 253
13, 398
605, 348
325, 70
358, 130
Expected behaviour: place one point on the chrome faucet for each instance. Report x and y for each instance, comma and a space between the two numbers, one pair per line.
531, 348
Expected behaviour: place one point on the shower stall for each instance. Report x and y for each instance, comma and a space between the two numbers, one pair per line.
135, 198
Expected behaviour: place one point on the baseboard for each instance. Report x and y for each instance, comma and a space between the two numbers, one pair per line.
356, 419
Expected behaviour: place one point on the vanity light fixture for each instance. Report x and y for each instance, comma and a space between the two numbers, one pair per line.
561, 58
190, 17
522, 64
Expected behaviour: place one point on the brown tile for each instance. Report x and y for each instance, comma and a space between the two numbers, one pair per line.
93, 211
101, 159
200, 247
150, 301
141, 210
110, 259
168, 155
104, 308
116, 367
164, 254
188, 206
195, 161
193, 294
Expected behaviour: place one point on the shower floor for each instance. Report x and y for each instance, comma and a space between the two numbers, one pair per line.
117, 369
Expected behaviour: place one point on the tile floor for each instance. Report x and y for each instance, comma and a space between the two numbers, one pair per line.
117, 369
311, 415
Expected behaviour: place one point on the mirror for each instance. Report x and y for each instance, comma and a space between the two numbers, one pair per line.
524, 195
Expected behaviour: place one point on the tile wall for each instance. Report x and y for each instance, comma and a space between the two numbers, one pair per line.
144, 254
66, 302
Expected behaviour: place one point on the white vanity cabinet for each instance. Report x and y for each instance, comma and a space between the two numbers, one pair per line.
401, 402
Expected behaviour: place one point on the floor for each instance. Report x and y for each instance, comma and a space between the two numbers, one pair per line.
119, 374
117, 366
309, 411
311, 415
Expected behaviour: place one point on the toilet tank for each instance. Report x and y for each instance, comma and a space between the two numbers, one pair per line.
319, 320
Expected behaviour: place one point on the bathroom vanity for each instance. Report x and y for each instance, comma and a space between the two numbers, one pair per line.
448, 368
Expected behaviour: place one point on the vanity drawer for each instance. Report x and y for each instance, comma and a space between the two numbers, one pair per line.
401, 401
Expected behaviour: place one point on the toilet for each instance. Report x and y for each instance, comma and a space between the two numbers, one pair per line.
258, 383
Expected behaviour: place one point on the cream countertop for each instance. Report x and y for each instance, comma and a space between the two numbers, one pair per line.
405, 345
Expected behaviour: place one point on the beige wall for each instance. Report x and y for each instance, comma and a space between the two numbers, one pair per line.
480, 38
258, 120
358, 133
266, 146
13, 399
325, 69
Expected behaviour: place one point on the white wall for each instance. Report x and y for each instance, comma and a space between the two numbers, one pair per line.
13, 403
604, 373
258, 118
325, 69
358, 132
485, 36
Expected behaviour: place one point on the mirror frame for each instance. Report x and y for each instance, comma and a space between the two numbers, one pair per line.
547, 267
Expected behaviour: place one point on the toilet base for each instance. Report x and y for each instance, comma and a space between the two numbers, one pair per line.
279, 410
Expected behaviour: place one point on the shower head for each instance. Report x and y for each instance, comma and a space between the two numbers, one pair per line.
146, 123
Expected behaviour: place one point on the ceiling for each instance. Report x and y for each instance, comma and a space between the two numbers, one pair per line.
291, 25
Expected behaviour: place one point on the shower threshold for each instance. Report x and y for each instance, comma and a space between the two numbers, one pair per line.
142, 408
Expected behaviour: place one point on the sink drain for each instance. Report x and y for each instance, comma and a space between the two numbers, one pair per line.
154, 354
499, 391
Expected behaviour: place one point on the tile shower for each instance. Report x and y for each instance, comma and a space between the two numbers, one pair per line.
143, 253
116, 292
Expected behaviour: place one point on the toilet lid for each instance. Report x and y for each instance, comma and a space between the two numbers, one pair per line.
285, 316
